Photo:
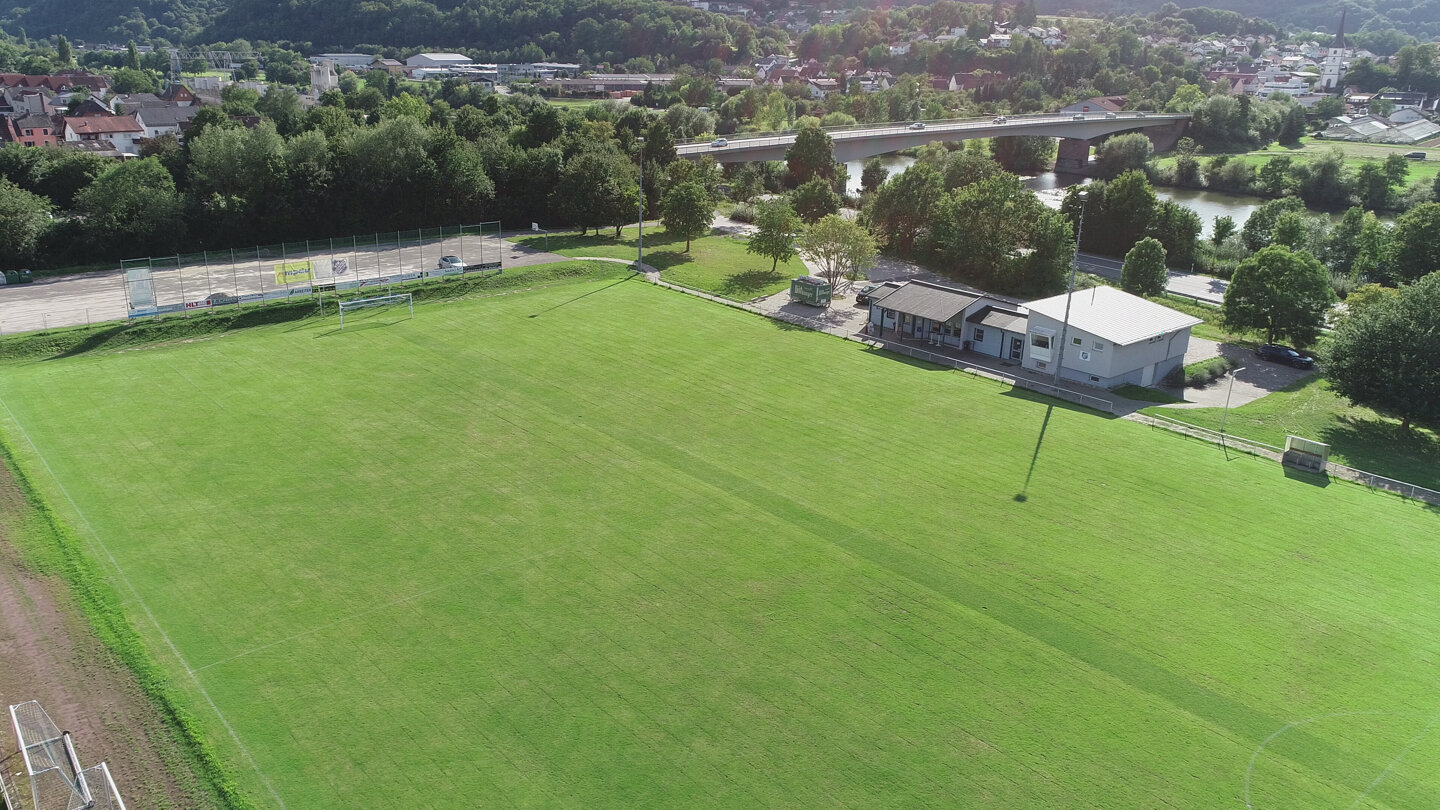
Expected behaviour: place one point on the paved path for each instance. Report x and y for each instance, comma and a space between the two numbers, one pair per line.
1192, 285
1255, 379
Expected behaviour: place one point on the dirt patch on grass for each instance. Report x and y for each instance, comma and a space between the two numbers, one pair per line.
49, 653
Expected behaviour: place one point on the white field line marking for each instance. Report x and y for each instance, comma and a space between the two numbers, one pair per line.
1396, 760
1254, 755
130, 586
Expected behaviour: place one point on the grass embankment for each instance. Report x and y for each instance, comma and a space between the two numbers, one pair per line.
53, 548
716, 263
608, 545
1358, 436
1356, 154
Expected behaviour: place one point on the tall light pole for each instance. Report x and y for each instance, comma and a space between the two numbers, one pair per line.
640, 234
1226, 413
1070, 294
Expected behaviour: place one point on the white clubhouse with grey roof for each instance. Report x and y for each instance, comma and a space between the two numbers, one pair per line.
1113, 339
945, 316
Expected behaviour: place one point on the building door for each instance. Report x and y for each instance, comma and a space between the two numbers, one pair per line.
1148, 375
1017, 348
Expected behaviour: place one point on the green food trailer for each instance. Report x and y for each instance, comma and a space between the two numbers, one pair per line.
810, 290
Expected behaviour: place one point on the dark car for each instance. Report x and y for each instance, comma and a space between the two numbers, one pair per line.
1284, 354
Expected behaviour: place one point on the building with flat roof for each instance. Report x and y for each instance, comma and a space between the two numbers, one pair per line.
1113, 338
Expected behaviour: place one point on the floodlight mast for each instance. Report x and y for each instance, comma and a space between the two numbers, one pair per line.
1084, 197
640, 206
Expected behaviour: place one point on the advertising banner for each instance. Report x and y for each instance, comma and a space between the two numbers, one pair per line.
294, 272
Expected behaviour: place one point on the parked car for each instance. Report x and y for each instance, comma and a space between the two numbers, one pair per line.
450, 263
1077, 117
918, 125
1111, 115
719, 143
1415, 155
1284, 354
999, 119
1141, 115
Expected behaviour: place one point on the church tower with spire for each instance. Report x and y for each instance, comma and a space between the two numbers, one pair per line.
1337, 60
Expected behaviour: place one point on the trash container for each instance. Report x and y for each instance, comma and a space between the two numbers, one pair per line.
12, 277
25, 277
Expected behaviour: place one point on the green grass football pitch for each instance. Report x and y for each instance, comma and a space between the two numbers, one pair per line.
605, 545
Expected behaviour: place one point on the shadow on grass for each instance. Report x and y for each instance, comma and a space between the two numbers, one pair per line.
1057, 402
583, 295
1382, 447
750, 283
93, 341
1314, 479
924, 365
1024, 494
362, 326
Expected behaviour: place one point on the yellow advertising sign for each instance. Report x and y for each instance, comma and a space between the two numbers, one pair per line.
294, 273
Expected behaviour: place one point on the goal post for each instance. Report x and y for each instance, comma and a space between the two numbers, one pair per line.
394, 299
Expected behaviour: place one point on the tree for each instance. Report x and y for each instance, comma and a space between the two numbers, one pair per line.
997, 235
1279, 293
23, 219
131, 210
837, 247
1386, 353
1187, 166
873, 174
1023, 154
63, 54
1292, 125
1122, 153
1372, 186
282, 105
687, 210
132, 57
1223, 228
659, 144
596, 187
1416, 242
1329, 107
1260, 225
128, 80
812, 155
1144, 271
1178, 229
902, 207
776, 228
1343, 244
815, 200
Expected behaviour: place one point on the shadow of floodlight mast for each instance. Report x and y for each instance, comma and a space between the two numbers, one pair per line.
1023, 495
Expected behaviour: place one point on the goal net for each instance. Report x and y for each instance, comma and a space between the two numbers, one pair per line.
398, 299
57, 782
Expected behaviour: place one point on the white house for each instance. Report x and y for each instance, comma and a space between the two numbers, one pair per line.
121, 131
946, 316
1113, 338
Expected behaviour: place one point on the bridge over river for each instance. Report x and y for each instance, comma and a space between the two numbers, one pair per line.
1076, 132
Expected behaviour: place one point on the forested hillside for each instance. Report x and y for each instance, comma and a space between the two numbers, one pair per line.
1420, 18
111, 20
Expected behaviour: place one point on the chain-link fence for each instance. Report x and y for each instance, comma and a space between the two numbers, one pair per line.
195, 281
160, 285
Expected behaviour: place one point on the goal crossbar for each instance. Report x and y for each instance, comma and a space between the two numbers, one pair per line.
376, 301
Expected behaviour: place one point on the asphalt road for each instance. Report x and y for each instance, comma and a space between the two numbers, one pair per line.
1192, 285
96, 297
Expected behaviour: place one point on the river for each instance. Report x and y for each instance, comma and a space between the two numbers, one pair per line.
1050, 188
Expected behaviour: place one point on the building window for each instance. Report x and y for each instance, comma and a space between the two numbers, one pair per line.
1040, 364
1040, 342
1099, 346
979, 335
1093, 378
1075, 341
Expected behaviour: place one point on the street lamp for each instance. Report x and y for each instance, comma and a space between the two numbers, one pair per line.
640, 206
1226, 413
1070, 294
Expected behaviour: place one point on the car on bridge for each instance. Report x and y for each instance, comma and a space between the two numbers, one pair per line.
917, 125
999, 119
719, 143
1078, 117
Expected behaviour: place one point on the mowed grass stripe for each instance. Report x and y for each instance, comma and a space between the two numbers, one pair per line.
669, 554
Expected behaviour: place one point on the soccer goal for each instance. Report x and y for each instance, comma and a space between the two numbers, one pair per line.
56, 778
378, 301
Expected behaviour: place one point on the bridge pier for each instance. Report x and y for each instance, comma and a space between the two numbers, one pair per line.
1073, 155
1163, 139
